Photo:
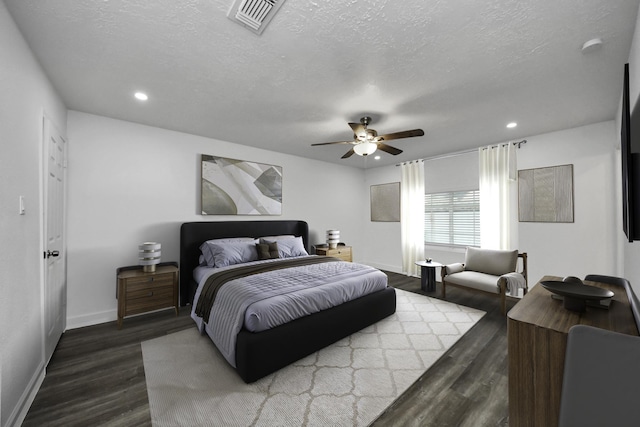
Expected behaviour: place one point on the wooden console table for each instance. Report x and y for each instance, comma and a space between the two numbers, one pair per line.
537, 329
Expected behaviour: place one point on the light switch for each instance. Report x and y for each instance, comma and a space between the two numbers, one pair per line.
21, 211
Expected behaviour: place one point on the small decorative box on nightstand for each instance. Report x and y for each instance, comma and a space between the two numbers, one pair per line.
342, 252
140, 292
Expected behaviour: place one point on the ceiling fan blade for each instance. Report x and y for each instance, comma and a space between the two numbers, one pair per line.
358, 128
389, 149
329, 143
403, 134
348, 154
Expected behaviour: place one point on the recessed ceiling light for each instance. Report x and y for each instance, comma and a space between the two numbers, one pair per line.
141, 96
377, 157
512, 125
591, 45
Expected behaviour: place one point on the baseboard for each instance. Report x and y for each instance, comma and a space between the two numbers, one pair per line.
20, 411
391, 268
91, 319
102, 317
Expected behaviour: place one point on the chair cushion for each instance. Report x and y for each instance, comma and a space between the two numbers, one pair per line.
473, 279
490, 261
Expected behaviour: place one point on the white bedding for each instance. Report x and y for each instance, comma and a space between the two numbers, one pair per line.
266, 300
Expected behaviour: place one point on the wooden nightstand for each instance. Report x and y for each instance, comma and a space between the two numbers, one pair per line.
342, 252
140, 292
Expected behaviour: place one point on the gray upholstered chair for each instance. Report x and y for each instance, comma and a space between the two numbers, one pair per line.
601, 378
623, 283
490, 271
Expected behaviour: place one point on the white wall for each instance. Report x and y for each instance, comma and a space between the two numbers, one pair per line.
26, 94
457, 172
130, 183
586, 246
381, 240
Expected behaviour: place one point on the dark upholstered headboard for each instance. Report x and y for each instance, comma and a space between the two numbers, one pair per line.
193, 234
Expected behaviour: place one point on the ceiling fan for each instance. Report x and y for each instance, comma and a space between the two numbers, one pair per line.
366, 141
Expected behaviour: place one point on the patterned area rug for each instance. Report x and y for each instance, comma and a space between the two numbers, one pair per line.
349, 383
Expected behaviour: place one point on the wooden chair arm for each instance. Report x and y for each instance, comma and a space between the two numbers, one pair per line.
523, 255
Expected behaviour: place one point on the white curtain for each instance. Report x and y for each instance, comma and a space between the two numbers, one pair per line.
412, 216
497, 170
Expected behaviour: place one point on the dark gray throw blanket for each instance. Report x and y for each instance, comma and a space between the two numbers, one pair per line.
215, 281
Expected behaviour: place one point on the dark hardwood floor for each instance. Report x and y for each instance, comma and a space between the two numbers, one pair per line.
96, 375
467, 386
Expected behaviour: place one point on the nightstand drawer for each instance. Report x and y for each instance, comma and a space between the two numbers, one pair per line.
150, 291
342, 252
148, 282
147, 300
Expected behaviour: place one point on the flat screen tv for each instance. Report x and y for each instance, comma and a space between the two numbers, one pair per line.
630, 154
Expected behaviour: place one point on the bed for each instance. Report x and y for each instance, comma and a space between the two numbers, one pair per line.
258, 354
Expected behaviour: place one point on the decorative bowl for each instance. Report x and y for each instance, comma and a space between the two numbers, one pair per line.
576, 295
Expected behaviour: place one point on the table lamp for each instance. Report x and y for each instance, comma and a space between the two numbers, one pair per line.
333, 238
148, 256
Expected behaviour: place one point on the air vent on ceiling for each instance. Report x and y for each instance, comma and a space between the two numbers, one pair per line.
254, 14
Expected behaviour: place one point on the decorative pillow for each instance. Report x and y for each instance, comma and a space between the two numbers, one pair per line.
207, 257
454, 268
224, 254
291, 247
267, 250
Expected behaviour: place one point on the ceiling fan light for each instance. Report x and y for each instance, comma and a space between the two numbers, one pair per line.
365, 148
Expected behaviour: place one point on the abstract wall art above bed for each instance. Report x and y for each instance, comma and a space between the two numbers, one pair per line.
238, 187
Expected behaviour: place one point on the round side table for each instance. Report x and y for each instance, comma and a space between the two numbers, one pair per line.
428, 275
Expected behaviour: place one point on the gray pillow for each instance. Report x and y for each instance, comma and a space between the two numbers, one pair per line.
208, 258
224, 254
289, 247
490, 261
267, 239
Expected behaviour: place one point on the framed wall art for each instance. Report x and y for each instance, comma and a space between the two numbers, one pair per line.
546, 194
239, 187
385, 202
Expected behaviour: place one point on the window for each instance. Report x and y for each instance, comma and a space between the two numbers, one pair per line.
452, 218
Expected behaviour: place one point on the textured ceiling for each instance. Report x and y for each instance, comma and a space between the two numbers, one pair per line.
460, 70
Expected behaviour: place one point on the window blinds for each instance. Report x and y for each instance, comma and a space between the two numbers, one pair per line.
452, 218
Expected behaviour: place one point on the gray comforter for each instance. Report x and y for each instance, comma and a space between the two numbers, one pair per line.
266, 300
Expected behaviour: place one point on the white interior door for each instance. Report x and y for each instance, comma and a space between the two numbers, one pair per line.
55, 277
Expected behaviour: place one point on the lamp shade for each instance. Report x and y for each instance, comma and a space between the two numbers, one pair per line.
333, 238
149, 255
365, 148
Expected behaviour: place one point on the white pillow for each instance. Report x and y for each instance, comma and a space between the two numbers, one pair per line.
207, 257
290, 247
